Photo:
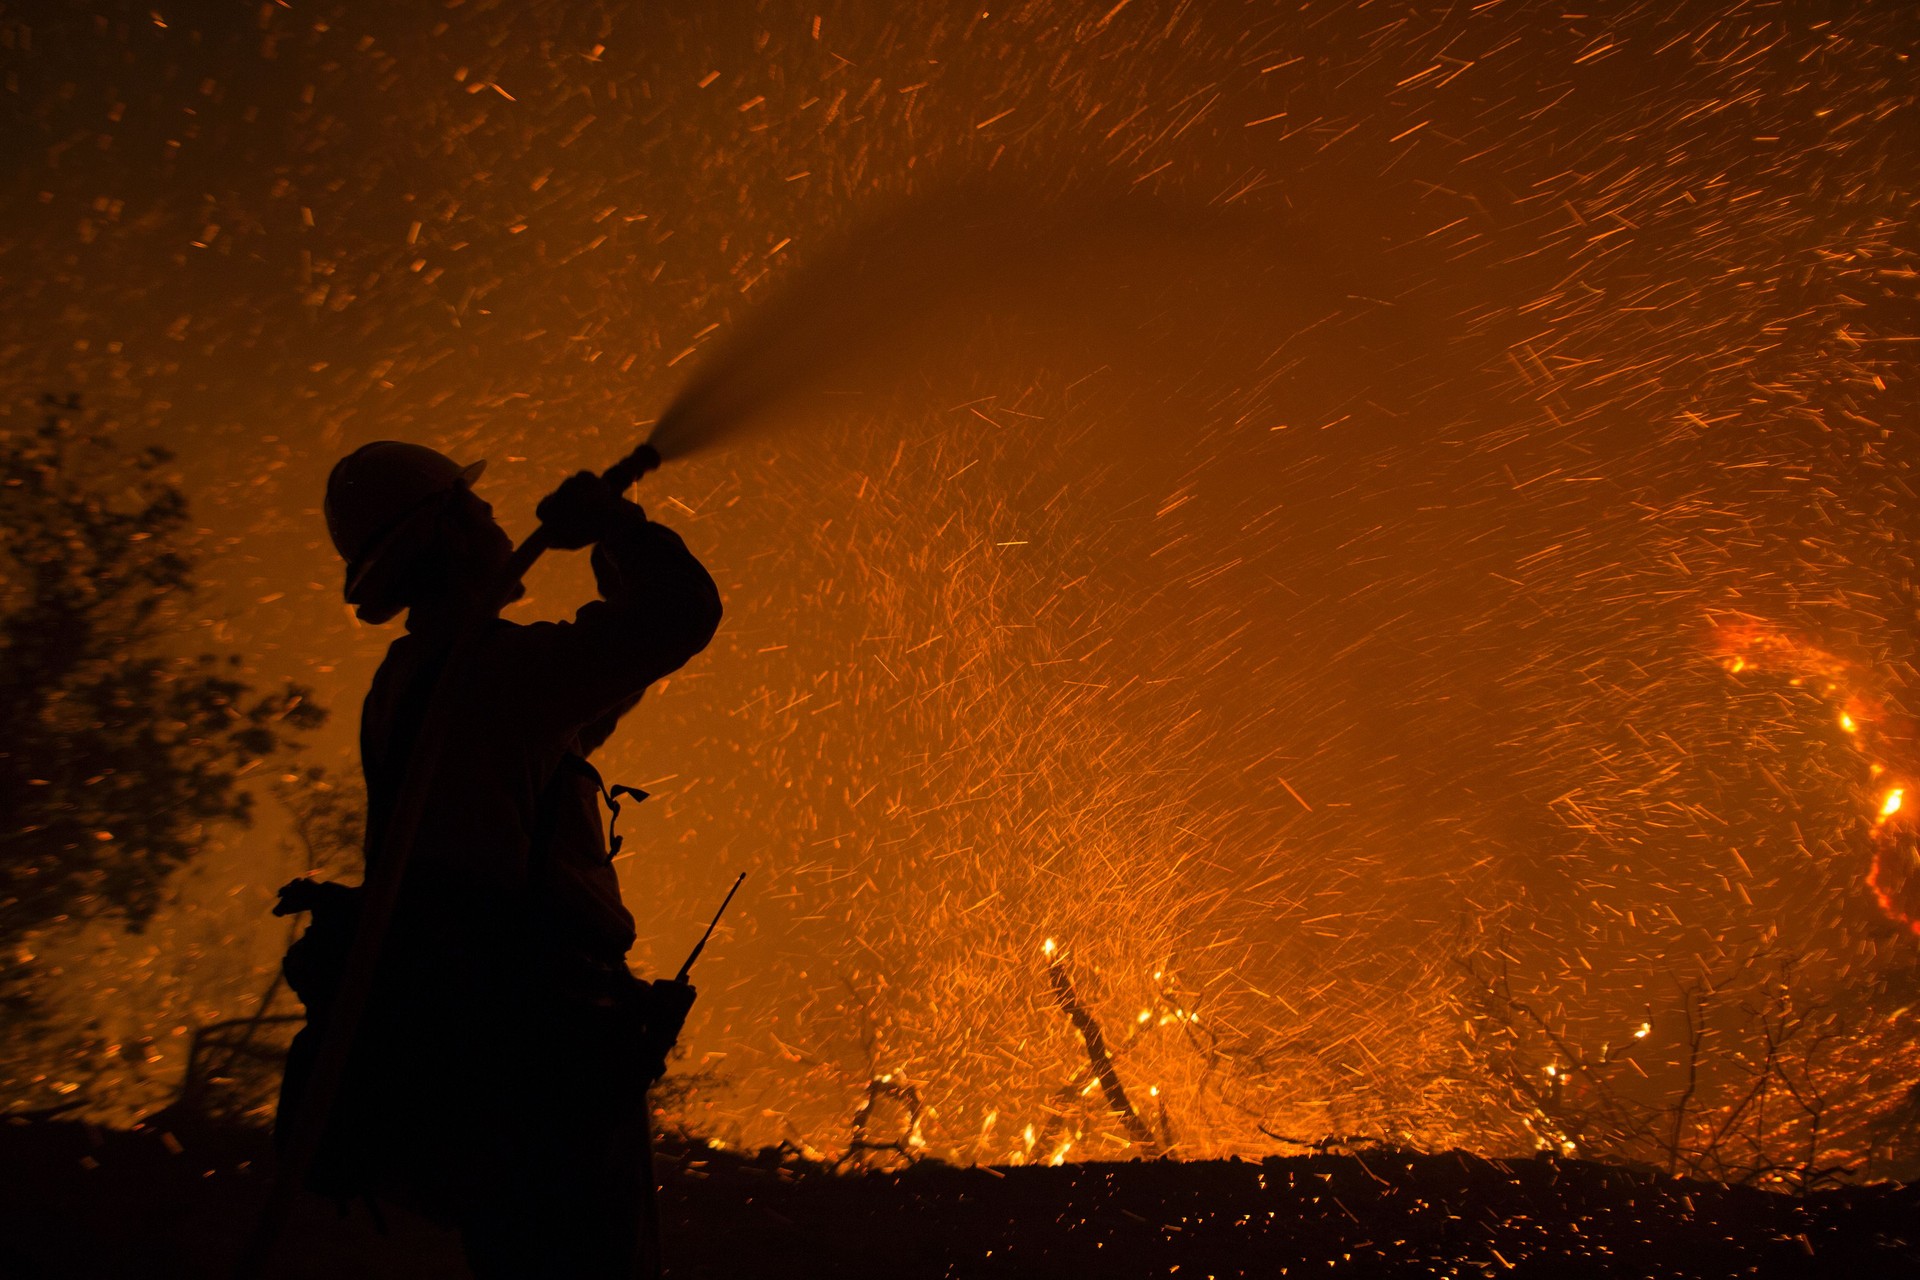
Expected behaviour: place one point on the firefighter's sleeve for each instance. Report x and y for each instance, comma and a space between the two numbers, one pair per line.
658, 608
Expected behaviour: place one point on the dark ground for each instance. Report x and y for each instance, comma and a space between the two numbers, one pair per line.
86, 1202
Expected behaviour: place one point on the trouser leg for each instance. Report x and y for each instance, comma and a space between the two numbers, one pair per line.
646, 1195
499, 1246
575, 1199
566, 1214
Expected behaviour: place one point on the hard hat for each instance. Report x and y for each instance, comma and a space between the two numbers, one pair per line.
373, 492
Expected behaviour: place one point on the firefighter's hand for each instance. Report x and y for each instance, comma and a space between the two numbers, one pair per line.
577, 514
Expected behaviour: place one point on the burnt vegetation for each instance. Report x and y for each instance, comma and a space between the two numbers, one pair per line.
170, 1202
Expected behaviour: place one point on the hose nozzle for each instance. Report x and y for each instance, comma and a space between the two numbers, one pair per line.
622, 474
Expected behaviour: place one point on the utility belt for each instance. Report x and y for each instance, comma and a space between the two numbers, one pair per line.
645, 1017
521, 983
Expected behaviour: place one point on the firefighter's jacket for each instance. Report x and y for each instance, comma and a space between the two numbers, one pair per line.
511, 847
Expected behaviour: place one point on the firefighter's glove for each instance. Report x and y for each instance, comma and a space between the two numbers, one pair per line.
667, 1004
578, 513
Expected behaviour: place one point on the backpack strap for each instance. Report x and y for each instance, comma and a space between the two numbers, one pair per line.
547, 816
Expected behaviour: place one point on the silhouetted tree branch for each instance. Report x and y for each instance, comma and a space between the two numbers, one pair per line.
118, 754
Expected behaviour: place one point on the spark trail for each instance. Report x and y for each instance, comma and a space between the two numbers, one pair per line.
1282, 644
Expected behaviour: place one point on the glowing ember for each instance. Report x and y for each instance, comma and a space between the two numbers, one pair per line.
1301, 634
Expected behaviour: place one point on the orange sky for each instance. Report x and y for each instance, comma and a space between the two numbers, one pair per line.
1286, 625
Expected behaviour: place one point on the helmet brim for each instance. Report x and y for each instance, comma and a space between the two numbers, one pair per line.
362, 569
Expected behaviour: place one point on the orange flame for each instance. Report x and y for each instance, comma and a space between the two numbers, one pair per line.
1894, 874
